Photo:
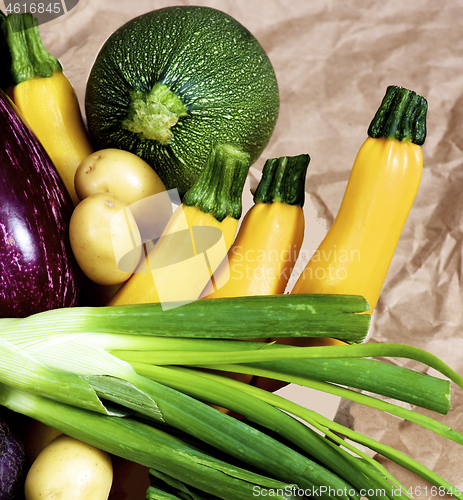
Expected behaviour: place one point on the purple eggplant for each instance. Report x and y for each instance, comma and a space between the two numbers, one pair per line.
13, 458
37, 268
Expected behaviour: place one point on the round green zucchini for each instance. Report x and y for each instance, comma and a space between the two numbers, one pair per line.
171, 83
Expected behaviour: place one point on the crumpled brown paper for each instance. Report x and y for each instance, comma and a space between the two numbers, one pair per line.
333, 61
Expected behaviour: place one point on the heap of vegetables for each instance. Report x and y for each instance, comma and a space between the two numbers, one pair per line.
141, 378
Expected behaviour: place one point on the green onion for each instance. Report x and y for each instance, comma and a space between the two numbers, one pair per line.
319, 363
240, 318
359, 474
143, 444
370, 375
294, 353
22, 371
164, 487
374, 376
228, 434
118, 383
107, 396
158, 494
333, 430
398, 411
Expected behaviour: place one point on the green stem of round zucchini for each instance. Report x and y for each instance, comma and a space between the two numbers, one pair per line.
401, 116
283, 180
219, 189
153, 114
29, 58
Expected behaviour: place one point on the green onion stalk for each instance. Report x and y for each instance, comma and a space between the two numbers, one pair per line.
189, 381
292, 373
118, 371
144, 444
136, 326
331, 429
118, 383
367, 374
164, 487
237, 317
358, 473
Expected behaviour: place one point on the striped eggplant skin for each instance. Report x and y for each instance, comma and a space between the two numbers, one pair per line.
37, 268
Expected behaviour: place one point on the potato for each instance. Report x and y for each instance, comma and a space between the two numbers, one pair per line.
105, 239
118, 172
68, 469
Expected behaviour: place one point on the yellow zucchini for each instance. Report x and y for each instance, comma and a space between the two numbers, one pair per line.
355, 255
46, 99
213, 202
270, 236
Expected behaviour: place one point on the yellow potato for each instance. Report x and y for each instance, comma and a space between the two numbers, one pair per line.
118, 172
105, 239
68, 469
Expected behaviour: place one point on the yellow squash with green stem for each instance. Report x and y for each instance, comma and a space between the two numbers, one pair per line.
356, 253
46, 98
168, 274
270, 236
